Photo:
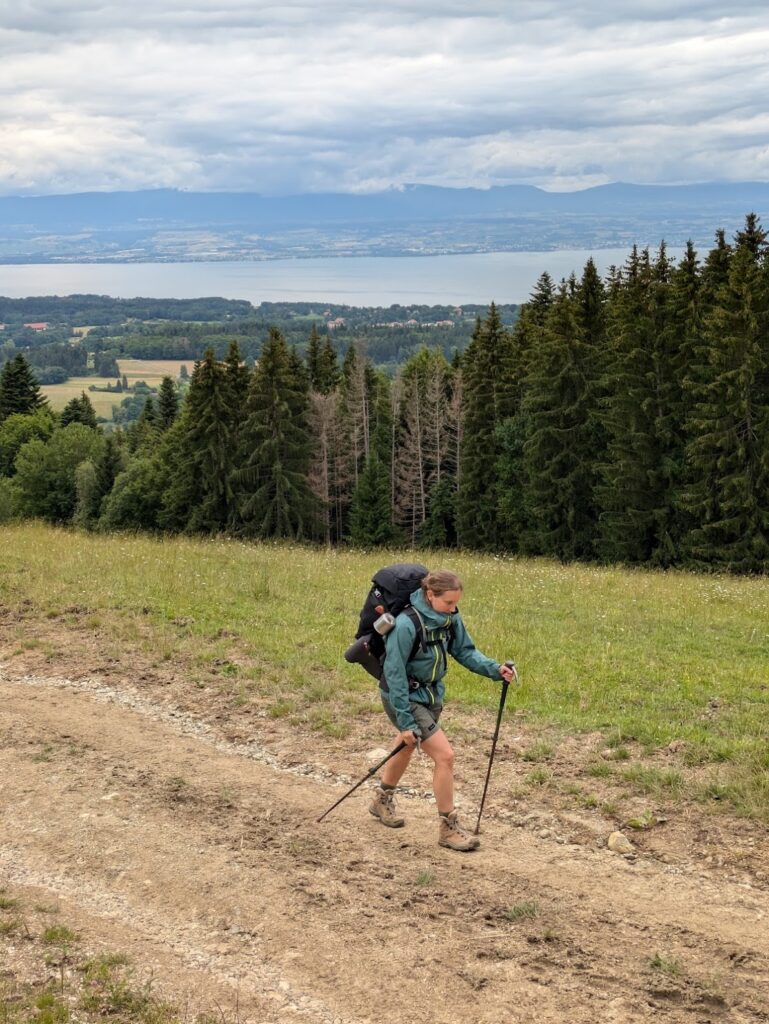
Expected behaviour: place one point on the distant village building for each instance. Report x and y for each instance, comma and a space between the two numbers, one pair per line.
393, 324
332, 324
37, 327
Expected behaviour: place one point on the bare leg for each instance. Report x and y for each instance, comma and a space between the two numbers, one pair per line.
439, 749
396, 766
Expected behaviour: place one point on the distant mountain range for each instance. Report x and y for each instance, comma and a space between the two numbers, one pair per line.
170, 225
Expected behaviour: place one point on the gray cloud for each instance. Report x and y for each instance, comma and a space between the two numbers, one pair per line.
344, 94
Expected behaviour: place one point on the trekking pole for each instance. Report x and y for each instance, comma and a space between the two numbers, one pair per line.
369, 773
505, 685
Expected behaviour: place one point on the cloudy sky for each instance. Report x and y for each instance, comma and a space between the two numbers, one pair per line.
356, 95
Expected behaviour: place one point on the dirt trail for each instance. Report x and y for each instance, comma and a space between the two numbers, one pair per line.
200, 856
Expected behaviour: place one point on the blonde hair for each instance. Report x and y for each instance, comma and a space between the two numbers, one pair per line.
441, 580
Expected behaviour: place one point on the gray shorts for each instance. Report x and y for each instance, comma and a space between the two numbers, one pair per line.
425, 717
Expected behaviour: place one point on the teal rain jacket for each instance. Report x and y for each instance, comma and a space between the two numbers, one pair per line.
427, 667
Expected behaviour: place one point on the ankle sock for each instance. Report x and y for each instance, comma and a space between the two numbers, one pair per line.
386, 788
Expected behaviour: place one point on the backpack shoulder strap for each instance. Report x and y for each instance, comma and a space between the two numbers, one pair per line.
419, 626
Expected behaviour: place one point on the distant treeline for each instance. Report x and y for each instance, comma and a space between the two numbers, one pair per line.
390, 335
103, 309
624, 420
165, 329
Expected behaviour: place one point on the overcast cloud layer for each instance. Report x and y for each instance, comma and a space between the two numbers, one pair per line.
350, 95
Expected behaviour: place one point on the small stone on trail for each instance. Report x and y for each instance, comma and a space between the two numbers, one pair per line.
618, 843
376, 755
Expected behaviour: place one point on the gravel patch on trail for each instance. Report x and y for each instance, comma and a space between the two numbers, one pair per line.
180, 721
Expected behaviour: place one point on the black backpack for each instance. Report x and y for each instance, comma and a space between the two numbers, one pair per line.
391, 592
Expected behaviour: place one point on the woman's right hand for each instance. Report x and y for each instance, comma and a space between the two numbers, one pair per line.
408, 737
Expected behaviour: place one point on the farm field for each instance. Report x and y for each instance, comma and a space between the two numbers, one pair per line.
151, 371
177, 713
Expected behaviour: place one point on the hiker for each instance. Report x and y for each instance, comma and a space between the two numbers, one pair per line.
412, 689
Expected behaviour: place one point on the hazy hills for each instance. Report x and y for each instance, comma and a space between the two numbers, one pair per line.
175, 225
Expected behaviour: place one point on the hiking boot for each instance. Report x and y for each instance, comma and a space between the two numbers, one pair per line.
383, 807
453, 836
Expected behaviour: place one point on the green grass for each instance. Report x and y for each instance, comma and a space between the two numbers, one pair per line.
539, 777
644, 657
665, 965
522, 911
539, 751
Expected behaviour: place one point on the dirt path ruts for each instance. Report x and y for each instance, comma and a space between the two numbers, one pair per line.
204, 856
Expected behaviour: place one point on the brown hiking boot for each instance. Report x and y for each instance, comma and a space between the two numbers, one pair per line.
452, 834
383, 807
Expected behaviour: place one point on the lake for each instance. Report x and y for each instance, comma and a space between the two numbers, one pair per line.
355, 281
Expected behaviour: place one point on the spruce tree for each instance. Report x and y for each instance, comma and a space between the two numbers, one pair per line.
440, 528
370, 520
715, 273
19, 390
79, 410
488, 401
238, 379
145, 432
729, 446
328, 373
199, 494
559, 452
109, 465
752, 237
168, 403
513, 513
637, 492
688, 372
272, 479
313, 358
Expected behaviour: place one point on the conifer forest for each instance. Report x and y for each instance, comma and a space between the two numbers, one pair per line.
621, 420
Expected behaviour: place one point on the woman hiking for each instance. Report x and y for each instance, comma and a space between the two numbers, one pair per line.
412, 692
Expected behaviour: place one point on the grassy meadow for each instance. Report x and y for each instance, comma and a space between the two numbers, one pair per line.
646, 658
151, 371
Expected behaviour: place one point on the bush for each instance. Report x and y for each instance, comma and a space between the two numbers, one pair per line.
8, 501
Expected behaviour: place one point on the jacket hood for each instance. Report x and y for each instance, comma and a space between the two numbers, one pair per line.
431, 618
